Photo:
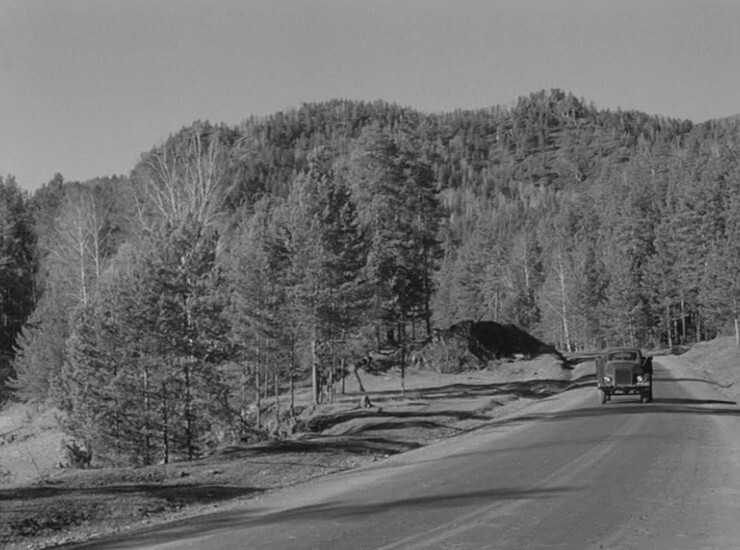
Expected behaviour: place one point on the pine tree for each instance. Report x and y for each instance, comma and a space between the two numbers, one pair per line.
328, 251
629, 244
191, 331
722, 278
40, 350
262, 330
397, 205
140, 377
17, 272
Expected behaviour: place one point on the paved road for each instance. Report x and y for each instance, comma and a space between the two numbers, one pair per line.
570, 474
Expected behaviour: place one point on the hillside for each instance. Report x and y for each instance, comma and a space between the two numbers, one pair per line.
162, 310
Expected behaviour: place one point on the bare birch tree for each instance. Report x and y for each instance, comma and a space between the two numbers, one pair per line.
190, 175
80, 242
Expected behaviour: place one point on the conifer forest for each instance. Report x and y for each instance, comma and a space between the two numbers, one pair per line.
159, 309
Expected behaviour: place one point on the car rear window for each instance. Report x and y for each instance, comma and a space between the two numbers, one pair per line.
623, 356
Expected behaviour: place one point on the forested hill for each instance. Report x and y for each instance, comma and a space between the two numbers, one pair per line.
292, 244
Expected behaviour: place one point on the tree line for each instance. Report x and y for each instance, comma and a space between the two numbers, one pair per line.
160, 310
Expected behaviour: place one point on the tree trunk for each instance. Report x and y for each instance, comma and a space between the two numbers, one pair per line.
165, 425
276, 380
188, 413
148, 444
699, 326
257, 387
675, 329
83, 273
564, 305
291, 381
314, 371
355, 370
246, 379
330, 382
427, 296
402, 344
496, 305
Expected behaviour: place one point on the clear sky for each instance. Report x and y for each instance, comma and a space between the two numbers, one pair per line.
86, 86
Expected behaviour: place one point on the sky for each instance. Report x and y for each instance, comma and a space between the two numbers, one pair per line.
87, 86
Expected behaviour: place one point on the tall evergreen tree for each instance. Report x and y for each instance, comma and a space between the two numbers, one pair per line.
398, 206
328, 254
263, 331
141, 374
17, 271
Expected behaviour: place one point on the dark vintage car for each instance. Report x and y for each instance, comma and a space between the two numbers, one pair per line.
624, 371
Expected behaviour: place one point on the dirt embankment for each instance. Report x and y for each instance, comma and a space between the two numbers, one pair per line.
66, 505
719, 361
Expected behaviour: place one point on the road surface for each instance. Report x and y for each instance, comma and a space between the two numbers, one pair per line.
568, 474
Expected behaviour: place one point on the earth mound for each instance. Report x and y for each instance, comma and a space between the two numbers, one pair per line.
470, 345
